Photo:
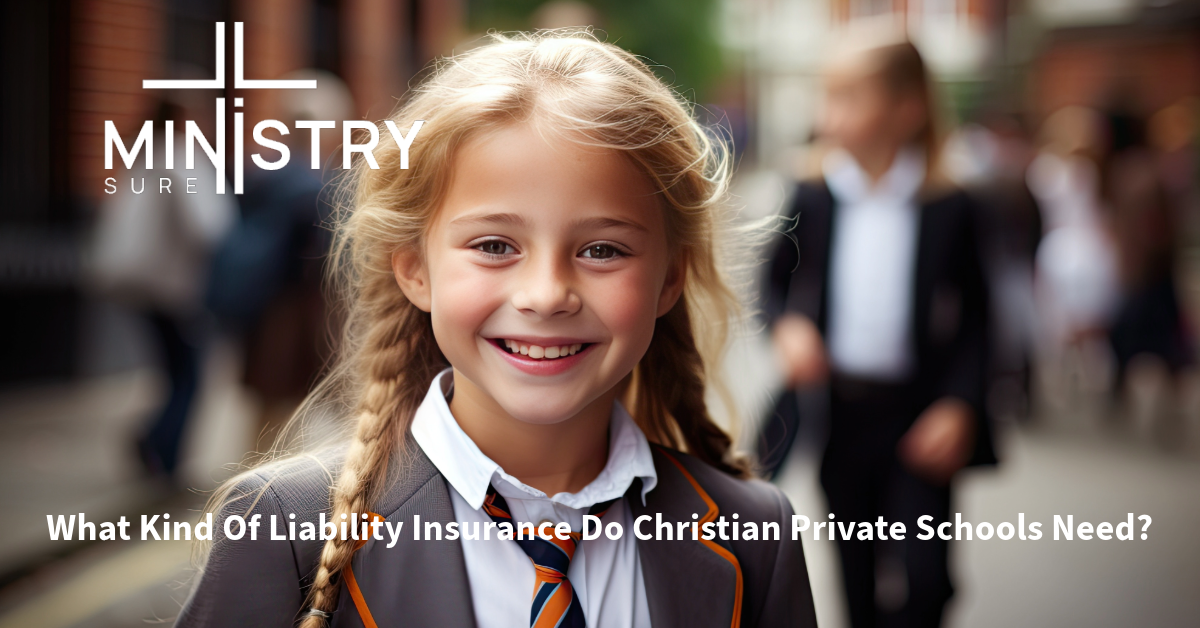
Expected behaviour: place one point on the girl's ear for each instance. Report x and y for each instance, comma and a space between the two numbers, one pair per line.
412, 277
673, 285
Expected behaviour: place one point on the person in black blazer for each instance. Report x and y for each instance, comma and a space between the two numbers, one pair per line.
876, 293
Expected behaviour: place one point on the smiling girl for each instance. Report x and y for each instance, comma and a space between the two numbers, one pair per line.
534, 309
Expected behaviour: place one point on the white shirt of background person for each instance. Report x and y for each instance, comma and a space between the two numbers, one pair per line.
872, 266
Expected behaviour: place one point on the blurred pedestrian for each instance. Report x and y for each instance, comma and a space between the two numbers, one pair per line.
1148, 319
1077, 284
266, 279
879, 294
154, 239
989, 159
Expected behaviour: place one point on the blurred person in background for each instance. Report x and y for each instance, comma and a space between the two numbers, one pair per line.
879, 293
152, 247
989, 159
266, 279
1148, 321
1076, 266
1172, 133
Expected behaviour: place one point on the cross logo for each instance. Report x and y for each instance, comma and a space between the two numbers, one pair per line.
239, 80
193, 136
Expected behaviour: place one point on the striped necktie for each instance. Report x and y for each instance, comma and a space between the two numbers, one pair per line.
554, 601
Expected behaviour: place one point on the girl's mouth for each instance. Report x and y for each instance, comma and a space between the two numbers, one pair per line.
537, 352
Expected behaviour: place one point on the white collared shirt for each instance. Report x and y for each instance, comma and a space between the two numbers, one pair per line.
872, 266
605, 574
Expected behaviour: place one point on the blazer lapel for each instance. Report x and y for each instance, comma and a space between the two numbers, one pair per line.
414, 583
930, 250
814, 237
688, 583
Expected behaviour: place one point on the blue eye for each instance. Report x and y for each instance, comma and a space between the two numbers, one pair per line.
601, 251
495, 247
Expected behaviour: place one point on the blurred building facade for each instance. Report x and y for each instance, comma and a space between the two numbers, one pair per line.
77, 63
376, 46
1029, 56
1144, 58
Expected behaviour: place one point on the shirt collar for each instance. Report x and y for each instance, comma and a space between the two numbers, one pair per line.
470, 471
850, 185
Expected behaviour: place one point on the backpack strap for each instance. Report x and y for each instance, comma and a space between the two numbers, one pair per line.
360, 603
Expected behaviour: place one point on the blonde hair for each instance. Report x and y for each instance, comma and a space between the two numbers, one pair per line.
566, 82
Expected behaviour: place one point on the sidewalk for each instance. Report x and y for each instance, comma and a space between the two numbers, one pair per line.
1151, 583
65, 448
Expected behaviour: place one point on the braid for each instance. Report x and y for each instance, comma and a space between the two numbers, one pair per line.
670, 384
398, 360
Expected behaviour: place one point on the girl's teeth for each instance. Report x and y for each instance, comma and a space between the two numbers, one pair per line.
540, 353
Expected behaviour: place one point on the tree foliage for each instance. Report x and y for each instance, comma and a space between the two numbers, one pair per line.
677, 37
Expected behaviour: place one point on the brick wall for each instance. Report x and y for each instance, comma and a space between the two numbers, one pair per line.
114, 45
1150, 70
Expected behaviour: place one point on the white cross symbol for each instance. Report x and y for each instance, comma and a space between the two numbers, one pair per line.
239, 80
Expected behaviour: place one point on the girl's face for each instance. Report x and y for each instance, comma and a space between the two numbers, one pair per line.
544, 271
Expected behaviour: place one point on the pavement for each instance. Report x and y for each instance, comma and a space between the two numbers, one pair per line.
1095, 583
65, 448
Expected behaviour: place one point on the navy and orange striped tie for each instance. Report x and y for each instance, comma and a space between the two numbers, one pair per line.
554, 601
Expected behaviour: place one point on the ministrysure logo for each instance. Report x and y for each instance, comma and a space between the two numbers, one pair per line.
144, 143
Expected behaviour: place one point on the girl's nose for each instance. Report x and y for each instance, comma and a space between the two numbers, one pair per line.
546, 289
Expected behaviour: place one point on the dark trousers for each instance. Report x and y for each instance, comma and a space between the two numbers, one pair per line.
1150, 321
864, 480
181, 362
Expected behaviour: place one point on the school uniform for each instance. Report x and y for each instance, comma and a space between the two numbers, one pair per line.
604, 573
892, 277
625, 582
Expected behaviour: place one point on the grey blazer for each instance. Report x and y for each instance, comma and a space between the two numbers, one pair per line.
693, 584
